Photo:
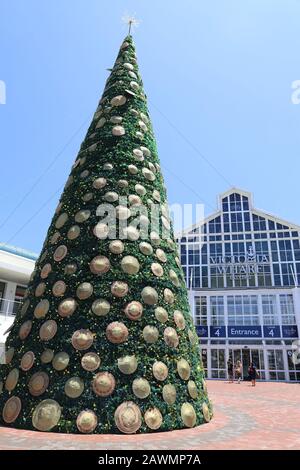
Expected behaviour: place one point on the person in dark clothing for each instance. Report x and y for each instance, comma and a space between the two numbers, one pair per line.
252, 371
230, 370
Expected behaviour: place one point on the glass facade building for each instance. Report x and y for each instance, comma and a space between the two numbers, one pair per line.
242, 268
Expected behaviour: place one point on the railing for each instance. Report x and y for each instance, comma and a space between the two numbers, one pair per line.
9, 308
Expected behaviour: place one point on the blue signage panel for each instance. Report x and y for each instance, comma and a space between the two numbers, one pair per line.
244, 331
289, 331
202, 331
272, 331
217, 332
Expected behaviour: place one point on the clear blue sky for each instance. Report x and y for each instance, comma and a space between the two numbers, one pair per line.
218, 75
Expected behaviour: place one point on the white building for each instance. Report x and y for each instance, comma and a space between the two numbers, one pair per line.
16, 266
242, 268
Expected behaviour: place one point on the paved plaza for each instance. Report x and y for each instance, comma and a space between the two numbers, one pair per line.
264, 417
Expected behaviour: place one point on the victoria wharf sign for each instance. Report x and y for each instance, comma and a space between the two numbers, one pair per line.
244, 265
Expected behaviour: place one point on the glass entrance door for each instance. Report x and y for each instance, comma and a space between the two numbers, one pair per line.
242, 355
246, 356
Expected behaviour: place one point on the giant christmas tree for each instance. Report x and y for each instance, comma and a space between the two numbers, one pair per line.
104, 341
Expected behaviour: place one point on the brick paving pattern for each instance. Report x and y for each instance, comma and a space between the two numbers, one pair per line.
264, 417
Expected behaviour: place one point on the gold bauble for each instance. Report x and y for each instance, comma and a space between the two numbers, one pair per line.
84, 290
153, 418
74, 387
160, 370
86, 421
171, 337
46, 415
48, 330
130, 265
12, 380
60, 361
149, 295
119, 288
103, 384
128, 417
161, 314
82, 339
67, 307
192, 389
41, 309
38, 383
27, 361
100, 265
90, 361
134, 310
150, 334
117, 332
188, 415
141, 388
100, 307
169, 394
11, 409
183, 369
127, 364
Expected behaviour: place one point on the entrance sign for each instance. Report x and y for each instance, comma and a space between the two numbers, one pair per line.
244, 331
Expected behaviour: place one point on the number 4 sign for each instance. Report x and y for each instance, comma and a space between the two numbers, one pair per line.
272, 331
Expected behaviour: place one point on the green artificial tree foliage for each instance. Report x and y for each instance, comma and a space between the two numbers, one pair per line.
104, 341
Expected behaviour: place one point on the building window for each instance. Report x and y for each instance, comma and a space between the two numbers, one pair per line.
218, 369
287, 271
217, 311
194, 254
296, 247
183, 253
285, 249
259, 223
294, 369
269, 310
237, 222
276, 365
19, 294
225, 204
200, 311
204, 274
2, 293
242, 310
194, 277
235, 202
216, 278
214, 226
287, 309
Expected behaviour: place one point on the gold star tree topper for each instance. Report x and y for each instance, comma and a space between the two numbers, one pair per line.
131, 20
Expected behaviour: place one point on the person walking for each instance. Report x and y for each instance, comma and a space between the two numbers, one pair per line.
238, 371
252, 371
230, 370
